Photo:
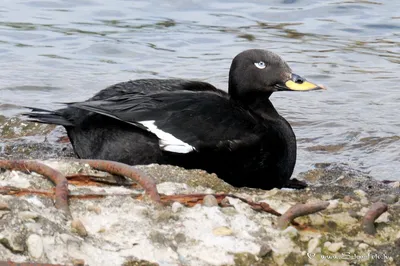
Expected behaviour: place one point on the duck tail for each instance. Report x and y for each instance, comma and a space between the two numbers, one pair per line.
46, 117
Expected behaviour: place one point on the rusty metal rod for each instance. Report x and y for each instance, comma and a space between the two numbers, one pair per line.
372, 214
61, 183
147, 182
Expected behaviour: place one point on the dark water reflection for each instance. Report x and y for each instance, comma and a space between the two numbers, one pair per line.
54, 51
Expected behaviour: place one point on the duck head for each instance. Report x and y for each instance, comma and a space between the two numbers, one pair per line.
260, 72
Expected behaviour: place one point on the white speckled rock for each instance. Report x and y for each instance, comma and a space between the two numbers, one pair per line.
312, 245
176, 207
335, 247
35, 246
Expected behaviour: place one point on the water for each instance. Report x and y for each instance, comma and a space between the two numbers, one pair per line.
55, 51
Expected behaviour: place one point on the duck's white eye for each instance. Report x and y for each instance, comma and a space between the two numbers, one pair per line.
260, 65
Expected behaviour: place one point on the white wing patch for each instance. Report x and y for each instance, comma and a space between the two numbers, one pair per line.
167, 141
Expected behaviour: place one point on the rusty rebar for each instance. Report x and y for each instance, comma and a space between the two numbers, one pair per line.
61, 183
147, 182
300, 210
372, 214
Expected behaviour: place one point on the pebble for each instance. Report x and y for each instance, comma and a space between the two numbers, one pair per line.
78, 262
225, 202
222, 231
27, 215
347, 199
4, 206
353, 213
316, 219
333, 204
312, 245
335, 247
291, 232
210, 201
176, 207
360, 193
95, 209
35, 246
79, 228
390, 199
265, 249
363, 246
364, 201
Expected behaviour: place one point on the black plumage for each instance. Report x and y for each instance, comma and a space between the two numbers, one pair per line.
239, 136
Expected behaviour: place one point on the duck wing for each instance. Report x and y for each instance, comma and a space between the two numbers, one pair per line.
148, 86
184, 121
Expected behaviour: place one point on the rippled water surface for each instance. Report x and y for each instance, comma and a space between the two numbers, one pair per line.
55, 51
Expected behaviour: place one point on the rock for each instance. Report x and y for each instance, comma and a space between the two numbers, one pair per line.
225, 202
222, 231
180, 238
347, 199
79, 228
265, 250
360, 193
333, 204
291, 232
95, 209
176, 207
210, 201
4, 206
327, 244
156, 234
335, 247
13, 241
35, 246
312, 244
78, 262
27, 215
390, 199
364, 201
363, 246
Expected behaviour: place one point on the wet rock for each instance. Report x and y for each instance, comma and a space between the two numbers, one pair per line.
34, 244
210, 201
78, 227
222, 231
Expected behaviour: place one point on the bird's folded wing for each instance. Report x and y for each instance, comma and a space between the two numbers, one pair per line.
183, 121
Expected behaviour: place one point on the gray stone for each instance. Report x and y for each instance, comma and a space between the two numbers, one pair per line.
210, 201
